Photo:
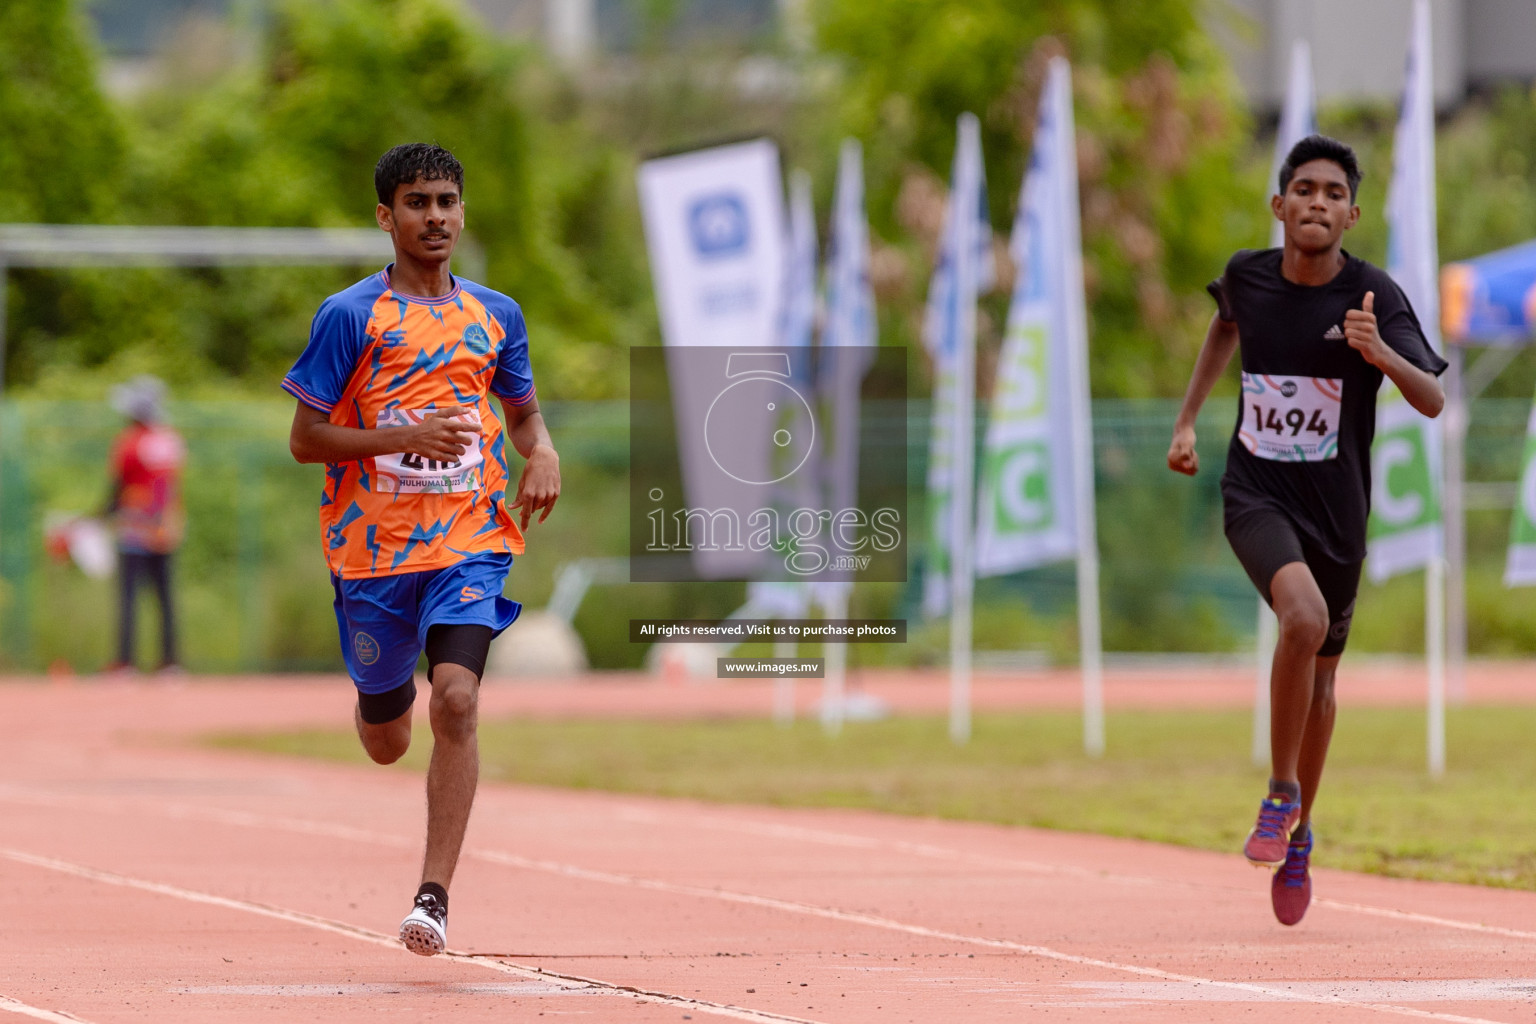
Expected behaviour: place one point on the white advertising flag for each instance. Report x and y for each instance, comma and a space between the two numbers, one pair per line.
1520, 569
798, 316
1298, 119
715, 231
797, 321
847, 337
1406, 531
965, 269
714, 228
1026, 511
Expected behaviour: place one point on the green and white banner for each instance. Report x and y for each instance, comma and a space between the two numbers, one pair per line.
964, 271
1406, 532
1520, 569
1405, 527
1026, 514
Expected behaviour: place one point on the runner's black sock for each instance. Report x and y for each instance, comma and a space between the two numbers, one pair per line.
435, 890
1290, 789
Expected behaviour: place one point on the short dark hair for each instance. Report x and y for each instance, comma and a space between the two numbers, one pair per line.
415, 161
1321, 147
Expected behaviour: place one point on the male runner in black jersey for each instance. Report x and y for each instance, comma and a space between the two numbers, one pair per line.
1318, 329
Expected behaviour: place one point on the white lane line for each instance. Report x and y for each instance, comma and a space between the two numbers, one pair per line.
52, 1016
308, 827
1448, 990
381, 988
570, 981
1417, 918
826, 837
889, 924
635, 815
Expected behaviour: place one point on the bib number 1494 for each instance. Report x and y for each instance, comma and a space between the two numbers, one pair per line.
1291, 419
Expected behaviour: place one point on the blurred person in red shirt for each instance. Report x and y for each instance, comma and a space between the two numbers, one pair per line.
146, 511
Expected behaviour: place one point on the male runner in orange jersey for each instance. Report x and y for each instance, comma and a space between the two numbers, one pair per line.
394, 397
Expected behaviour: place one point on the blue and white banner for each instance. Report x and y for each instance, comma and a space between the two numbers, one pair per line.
715, 232
714, 228
1520, 568
1026, 513
1298, 119
1406, 529
847, 347
798, 315
965, 269
797, 324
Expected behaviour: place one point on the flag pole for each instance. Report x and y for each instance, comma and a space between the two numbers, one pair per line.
962, 578
1089, 627
1434, 653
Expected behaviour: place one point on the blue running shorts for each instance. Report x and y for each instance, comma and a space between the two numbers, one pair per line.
384, 619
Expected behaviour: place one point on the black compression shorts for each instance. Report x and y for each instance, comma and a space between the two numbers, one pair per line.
461, 643
1265, 540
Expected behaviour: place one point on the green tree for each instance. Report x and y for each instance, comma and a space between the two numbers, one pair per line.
289, 136
62, 155
293, 139
1161, 141
64, 144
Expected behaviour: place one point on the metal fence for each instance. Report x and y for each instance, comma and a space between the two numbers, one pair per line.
254, 594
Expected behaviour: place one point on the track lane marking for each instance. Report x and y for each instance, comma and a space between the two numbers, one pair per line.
248, 819
572, 982
52, 1016
942, 853
330, 830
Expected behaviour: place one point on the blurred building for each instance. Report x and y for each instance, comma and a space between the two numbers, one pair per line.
576, 29
1358, 46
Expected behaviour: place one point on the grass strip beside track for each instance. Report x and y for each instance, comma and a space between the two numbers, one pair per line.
1179, 777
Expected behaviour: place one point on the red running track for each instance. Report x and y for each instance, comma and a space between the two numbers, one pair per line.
147, 880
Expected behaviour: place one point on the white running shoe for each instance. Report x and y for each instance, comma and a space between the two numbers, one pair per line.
425, 929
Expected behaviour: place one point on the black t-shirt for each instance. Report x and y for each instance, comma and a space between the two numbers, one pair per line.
1302, 442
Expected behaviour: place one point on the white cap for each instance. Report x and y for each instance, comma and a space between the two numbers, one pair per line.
142, 398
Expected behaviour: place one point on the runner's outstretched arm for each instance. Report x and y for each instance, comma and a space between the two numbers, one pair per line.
1215, 353
441, 436
1420, 387
539, 486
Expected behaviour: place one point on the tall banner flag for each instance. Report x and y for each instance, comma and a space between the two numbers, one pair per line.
964, 270
797, 321
1406, 531
1037, 488
849, 333
1520, 569
1298, 119
847, 346
715, 232
798, 317
1026, 513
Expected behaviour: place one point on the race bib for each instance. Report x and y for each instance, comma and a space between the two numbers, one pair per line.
1291, 419
407, 473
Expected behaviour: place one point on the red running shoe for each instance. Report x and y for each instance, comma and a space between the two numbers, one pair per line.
1290, 891
1266, 844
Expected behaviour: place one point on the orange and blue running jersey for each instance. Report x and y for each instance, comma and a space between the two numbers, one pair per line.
378, 358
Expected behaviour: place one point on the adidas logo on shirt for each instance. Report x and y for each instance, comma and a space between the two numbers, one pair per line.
1333, 334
